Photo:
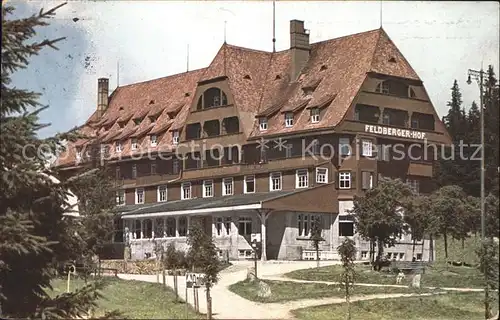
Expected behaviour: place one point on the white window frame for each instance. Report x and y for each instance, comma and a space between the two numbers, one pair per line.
227, 182
186, 186
222, 226
154, 140
304, 222
219, 226
245, 188
288, 119
315, 113
159, 195
347, 221
175, 166
248, 223
300, 182
344, 176
139, 191
321, 177
134, 171
228, 221
175, 137
118, 146
366, 148
134, 143
262, 124
120, 194
273, 175
208, 188
344, 143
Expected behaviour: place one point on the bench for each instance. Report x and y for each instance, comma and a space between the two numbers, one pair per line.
409, 265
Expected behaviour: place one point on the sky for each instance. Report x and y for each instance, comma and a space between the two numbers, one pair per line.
145, 40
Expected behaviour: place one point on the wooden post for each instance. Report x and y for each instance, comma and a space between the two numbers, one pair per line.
186, 300
164, 278
209, 304
175, 287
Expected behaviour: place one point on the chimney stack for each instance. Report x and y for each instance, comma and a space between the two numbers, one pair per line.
102, 95
299, 46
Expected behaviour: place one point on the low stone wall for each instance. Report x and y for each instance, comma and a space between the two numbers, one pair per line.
135, 266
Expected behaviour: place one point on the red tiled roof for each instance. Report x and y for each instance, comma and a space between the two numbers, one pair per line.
261, 86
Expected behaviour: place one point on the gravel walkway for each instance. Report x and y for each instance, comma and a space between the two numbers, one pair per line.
228, 305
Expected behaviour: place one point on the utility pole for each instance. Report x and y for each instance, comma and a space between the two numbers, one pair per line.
479, 77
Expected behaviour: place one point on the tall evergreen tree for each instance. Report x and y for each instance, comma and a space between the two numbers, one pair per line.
33, 233
472, 166
450, 168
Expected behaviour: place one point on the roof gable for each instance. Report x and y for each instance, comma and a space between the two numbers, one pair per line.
387, 59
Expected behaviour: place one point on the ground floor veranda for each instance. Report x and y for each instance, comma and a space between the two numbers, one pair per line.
279, 222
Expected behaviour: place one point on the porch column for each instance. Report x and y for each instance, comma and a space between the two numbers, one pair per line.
263, 215
153, 222
164, 228
177, 226
142, 228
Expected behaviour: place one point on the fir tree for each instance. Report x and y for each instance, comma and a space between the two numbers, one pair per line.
450, 169
33, 233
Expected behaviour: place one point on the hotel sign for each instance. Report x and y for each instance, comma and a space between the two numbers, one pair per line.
401, 133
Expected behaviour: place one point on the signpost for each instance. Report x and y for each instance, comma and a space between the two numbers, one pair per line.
193, 280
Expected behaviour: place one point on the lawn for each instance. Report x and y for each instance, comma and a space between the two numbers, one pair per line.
134, 299
286, 290
450, 306
435, 276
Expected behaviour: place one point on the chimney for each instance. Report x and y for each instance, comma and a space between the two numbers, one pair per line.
102, 96
299, 46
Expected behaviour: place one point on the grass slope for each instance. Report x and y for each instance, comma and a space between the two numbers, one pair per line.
134, 299
286, 291
449, 306
435, 276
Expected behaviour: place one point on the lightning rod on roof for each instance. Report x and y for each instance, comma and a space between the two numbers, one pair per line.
187, 59
381, 13
225, 23
274, 26
117, 73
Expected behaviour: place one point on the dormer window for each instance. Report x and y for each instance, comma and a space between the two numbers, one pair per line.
78, 154
134, 143
314, 115
213, 97
137, 121
154, 140
289, 119
175, 137
152, 119
118, 146
262, 124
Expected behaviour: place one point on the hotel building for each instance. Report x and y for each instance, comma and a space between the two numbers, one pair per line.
258, 144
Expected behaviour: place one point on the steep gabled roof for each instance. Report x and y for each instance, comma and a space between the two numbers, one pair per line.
260, 84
